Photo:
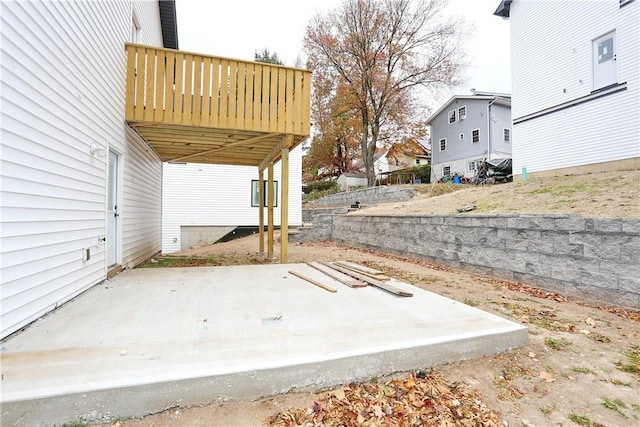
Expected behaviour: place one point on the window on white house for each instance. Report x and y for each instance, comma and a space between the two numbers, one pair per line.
417, 161
506, 135
605, 70
443, 144
446, 170
475, 135
461, 137
452, 116
135, 29
472, 166
462, 113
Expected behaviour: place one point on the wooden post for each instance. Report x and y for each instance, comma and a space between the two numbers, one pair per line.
284, 203
270, 203
261, 208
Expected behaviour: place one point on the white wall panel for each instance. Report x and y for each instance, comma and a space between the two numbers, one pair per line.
553, 66
218, 195
63, 75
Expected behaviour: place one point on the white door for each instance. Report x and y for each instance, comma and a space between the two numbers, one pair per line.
605, 72
112, 210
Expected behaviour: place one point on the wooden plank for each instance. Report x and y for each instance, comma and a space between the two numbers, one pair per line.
281, 116
138, 109
378, 284
169, 92
261, 208
359, 268
251, 97
369, 272
241, 95
284, 204
131, 81
270, 202
215, 93
198, 97
178, 102
336, 275
315, 282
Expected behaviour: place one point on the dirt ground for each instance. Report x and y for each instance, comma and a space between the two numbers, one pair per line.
582, 363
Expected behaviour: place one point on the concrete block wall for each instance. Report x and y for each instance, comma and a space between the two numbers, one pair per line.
591, 259
368, 196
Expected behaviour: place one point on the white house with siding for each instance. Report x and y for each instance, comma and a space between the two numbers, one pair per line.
202, 202
575, 85
80, 190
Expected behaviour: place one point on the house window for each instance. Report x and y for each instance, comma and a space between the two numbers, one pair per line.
452, 116
446, 170
135, 29
417, 161
461, 137
255, 197
506, 137
443, 144
475, 135
462, 113
472, 166
605, 70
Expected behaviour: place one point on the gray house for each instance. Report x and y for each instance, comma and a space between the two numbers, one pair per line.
468, 129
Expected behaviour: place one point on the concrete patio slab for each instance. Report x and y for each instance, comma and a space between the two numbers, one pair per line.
151, 339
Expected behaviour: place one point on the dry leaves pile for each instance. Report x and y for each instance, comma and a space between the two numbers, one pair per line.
422, 399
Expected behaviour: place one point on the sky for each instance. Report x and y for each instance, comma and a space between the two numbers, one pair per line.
239, 28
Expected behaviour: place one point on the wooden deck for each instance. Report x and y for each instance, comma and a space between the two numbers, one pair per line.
204, 109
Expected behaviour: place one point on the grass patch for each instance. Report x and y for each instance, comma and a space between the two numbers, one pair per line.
600, 338
614, 405
580, 420
557, 344
545, 319
633, 356
546, 410
581, 370
565, 191
471, 302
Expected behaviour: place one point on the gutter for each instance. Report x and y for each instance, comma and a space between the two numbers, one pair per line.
489, 128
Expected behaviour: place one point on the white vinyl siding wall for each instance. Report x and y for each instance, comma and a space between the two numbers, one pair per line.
220, 195
63, 88
554, 66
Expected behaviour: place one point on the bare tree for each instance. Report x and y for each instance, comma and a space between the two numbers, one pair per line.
382, 50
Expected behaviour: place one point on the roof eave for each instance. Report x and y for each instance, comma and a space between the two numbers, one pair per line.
169, 23
503, 9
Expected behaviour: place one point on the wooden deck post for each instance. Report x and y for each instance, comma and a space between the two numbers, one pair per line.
261, 208
271, 197
284, 203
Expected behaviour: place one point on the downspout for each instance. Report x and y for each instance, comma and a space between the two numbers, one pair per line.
489, 128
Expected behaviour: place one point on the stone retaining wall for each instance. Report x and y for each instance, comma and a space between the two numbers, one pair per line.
368, 196
592, 259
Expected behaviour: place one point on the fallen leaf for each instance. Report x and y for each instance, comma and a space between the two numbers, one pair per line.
546, 376
589, 321
339, 393
532, 354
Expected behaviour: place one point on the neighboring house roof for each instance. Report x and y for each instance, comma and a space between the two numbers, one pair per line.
500, 98
169, 23
503, 9
359, 163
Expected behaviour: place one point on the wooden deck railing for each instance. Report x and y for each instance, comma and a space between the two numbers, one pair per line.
181, 88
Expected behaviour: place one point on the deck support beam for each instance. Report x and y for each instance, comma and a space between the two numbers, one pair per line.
270, 203
261, 209
284, 202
